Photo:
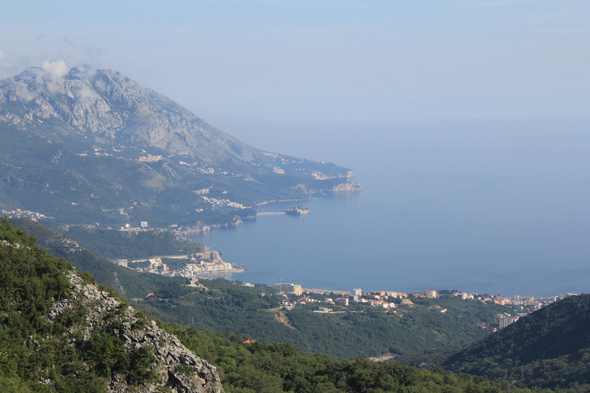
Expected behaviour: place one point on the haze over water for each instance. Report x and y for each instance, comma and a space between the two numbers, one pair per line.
497, 207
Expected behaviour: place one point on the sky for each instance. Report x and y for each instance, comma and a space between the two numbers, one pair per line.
253, 61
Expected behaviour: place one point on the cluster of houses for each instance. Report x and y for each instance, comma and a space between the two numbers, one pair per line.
383, 299
223, 202
143, 225
199, 264
18, 213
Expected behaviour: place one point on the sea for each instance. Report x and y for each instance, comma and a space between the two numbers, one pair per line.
489, 206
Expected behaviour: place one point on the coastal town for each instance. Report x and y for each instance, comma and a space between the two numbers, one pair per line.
202, 264
18, 213
391, 300
210, 264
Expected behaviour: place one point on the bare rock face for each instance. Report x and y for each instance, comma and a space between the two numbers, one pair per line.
106, 107
176, 367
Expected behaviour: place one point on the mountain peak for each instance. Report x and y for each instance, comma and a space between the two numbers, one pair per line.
30, 73
82, 71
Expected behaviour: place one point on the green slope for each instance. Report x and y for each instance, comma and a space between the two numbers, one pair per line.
128, 282
549, 348
277, 368
42, 356
360, 330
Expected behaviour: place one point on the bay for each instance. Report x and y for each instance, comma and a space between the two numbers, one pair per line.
489, 206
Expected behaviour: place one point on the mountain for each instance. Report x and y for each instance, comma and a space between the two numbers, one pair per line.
549, 348
92, 145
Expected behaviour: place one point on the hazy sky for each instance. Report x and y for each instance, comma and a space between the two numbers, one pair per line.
232, 61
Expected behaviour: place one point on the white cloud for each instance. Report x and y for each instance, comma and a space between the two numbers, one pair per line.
87, 93
100, 85
57, 69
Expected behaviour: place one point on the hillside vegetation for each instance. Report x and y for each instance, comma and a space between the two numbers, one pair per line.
126, 281
114, 244
276, 368
349, 332
61, 333
550, 348
358, 330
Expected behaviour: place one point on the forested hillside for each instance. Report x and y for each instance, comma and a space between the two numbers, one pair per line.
260, 367
357, 330
126, 281
550, 348
114, 244
349, 332
60, 333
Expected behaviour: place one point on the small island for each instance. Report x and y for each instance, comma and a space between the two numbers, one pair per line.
297, 211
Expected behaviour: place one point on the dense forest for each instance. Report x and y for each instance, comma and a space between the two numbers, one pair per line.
280, 367
549, 348
349, 332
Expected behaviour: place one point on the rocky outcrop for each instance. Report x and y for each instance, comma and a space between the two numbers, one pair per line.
70, 245
176, 367
343, 188
350, 186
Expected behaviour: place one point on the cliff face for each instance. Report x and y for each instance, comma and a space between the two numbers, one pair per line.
169, 364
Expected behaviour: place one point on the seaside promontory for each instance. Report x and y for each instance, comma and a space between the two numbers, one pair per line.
91, 146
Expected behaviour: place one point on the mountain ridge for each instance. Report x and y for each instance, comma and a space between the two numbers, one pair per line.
104, 104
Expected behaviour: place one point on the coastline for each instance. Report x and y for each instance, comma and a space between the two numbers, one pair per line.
283, 200
200, 228
208, 274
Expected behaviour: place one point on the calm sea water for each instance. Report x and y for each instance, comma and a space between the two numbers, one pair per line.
501, 207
